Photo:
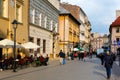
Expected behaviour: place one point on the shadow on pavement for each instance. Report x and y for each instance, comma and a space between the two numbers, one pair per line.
116, 70
99, 67
95, 60
99, 74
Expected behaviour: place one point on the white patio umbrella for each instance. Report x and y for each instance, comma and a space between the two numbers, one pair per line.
30, 45
75, 49
6, 43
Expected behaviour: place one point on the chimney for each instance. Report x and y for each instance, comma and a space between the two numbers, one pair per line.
117, 13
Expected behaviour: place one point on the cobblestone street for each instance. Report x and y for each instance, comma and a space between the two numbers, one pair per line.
73, 70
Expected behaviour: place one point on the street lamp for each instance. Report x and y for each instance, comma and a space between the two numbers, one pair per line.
15, 23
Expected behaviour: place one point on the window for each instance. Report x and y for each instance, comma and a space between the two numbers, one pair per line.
117, 39
32, 16
117, 30
19, 12
38, 43
45, 24
37, 18
31, 39
4, 8
44, 46
12, 3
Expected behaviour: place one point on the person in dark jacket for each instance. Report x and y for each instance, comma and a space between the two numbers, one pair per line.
61, 56
46, 60
71, 55
108, 61
101, 56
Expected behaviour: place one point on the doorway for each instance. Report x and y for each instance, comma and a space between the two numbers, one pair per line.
1, 50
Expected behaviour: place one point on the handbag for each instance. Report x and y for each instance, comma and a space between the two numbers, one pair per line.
75, 55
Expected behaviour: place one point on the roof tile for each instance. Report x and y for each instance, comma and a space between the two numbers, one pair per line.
116, 22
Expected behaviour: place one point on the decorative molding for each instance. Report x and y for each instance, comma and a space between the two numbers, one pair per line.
20, 1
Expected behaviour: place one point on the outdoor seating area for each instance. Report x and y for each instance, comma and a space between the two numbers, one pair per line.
7, 64
10, 61
42, 61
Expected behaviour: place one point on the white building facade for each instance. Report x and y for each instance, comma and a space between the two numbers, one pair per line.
82, 16
85, 30
43, 18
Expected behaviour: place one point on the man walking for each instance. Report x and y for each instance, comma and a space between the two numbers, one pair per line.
61, 55
108, 62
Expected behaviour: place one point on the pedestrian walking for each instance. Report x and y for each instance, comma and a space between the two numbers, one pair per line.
82, 55
90, 53
108, 62
101, 56
61, 56
71, 55
68, 56
85, 55
64, 60
79, 55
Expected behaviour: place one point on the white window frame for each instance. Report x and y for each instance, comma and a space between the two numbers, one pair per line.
40, 19
56, 27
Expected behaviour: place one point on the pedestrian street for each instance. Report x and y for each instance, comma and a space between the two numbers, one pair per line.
90, 69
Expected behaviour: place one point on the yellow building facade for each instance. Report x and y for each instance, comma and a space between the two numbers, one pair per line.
14, 10
68, 31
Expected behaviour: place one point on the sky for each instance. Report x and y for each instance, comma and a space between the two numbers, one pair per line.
101, 13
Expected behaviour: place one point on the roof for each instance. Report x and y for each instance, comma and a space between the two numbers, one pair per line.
116, 23
63, 11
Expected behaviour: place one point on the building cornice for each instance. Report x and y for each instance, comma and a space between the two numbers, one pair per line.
4, 18
31, 24
21, 1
